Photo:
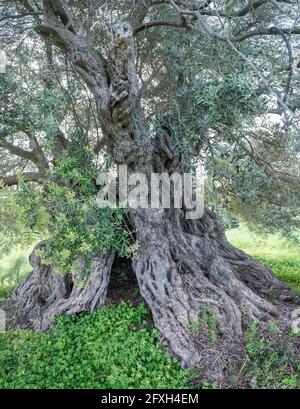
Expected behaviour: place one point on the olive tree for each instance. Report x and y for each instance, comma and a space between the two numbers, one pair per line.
169, 82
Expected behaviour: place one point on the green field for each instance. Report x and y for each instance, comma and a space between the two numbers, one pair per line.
282, 256
116, 347
13, 267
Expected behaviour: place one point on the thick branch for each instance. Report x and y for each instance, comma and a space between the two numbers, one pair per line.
13, 180
17, 151
90, 65
252, 33
270, 31
252, 5
57, 10
199, 16
205, 10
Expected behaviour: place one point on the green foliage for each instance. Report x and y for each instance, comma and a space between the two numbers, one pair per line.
14, 230
218, 116
225, 102
287, 268
11, 273
268, 364
208, 385
211, 92
14, 266
72, 228
61, 207
72, 224
84, 231
221, 97
194, 325
111, 348
29, 201
72, 169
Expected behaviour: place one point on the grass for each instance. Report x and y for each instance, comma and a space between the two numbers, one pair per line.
281, 255
13, 267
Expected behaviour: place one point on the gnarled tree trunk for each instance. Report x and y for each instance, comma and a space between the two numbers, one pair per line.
187, 268
45, 293
184, 268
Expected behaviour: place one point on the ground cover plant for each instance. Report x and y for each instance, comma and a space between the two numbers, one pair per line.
118, 347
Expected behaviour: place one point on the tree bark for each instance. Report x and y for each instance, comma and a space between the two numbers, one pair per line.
45, 293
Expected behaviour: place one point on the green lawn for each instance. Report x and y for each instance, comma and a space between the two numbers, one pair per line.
13, 267
282, 256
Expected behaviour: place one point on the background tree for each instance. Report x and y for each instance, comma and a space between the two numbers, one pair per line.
158, 86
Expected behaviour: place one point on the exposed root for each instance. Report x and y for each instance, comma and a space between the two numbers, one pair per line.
45, 294
186, 269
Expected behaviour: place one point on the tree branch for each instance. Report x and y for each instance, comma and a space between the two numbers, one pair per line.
87, 62
145, 26
252, 5
198, 15
57, 10
138, 12
16, 150
13, 180
270, 31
